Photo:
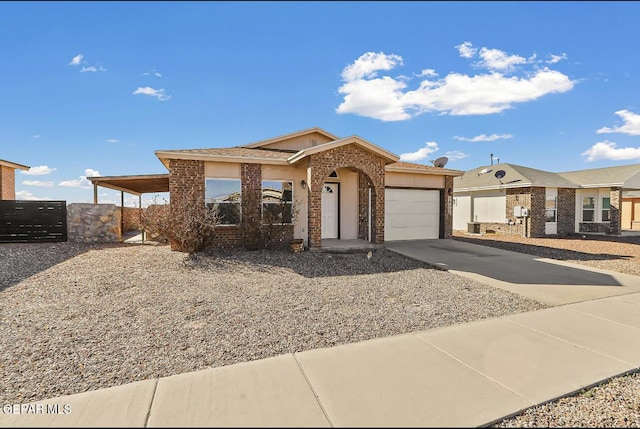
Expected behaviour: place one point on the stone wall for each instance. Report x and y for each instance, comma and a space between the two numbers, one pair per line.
93, 223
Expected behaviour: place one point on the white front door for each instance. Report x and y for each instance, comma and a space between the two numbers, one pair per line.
329, 210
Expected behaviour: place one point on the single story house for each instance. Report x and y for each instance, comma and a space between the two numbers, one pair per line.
8, 179
315, 186
515, 200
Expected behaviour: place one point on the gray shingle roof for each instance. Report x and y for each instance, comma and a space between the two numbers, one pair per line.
607, 176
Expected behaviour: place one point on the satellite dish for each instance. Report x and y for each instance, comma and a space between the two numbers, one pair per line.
484, 171
500, 174
441, 162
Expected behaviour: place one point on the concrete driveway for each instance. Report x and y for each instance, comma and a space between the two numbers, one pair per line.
546, 280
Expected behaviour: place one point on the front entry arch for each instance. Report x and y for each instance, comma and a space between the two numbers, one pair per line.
371, 172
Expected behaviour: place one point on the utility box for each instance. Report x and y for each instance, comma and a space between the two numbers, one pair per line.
520, 211
473, 227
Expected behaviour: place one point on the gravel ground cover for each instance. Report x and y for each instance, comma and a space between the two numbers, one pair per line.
75, 317
615, 403
99, 316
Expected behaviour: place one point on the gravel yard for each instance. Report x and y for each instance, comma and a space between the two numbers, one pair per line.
77, 317
87, 317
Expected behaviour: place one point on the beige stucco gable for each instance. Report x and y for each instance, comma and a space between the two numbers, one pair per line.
296, 141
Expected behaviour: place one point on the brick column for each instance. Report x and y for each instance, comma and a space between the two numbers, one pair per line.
566, 210
615, 211
7, 183
536, 214
446, 208
186, 186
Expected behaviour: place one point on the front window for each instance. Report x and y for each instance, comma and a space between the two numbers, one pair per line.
224, 196
588, 208
606, 209
277, 197
550, 209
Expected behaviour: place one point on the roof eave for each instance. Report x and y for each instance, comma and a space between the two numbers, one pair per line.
435, 172
219, 158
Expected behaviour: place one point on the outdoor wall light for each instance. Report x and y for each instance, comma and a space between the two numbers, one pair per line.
303, 184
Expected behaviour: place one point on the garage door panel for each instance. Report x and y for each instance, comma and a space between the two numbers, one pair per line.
412, 214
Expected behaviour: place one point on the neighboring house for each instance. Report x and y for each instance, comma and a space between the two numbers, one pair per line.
317, 186
536, 203
8, 179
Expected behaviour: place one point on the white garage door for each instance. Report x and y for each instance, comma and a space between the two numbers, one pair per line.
411, 214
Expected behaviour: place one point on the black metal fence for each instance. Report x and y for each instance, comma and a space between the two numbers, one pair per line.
33, 221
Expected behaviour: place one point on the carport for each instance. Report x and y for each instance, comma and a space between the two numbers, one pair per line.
135, 185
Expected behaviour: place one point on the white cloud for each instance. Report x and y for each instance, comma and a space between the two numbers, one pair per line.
153, 72
387, 99
608, 150
484, 138
495, 59
466, 50
88, 69
82, 182
39, 170
428, 73
75, 61
35, 136
631, 124
112, 140
421, 153
368, 64
47, 184
556, 58
455, 154
147, 90
24, 195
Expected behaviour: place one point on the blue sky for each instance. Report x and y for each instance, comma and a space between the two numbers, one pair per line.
94, 88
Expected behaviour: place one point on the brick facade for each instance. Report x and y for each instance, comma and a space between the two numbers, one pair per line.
446, 208
566, 211
363, 205
351, 155
7, 183
534, 199
188, 175
615, 211
536, 221
186, 186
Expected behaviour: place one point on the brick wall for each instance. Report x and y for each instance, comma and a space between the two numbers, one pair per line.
615, 212
537, 211
350, 155
186, 185
517, 197
7, 183
363, 206
131, 219
446, 208
566, 211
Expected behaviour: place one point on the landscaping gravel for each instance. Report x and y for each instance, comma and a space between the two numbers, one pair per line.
112, 315
77, 317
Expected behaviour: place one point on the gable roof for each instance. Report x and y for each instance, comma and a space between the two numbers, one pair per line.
268, 156
516, 176
291, 136
618, 176
388, 156
13, 165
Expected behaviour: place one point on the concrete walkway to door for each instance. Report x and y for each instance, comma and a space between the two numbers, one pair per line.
546, 280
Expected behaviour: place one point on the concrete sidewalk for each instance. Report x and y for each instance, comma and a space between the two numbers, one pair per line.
464, 375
